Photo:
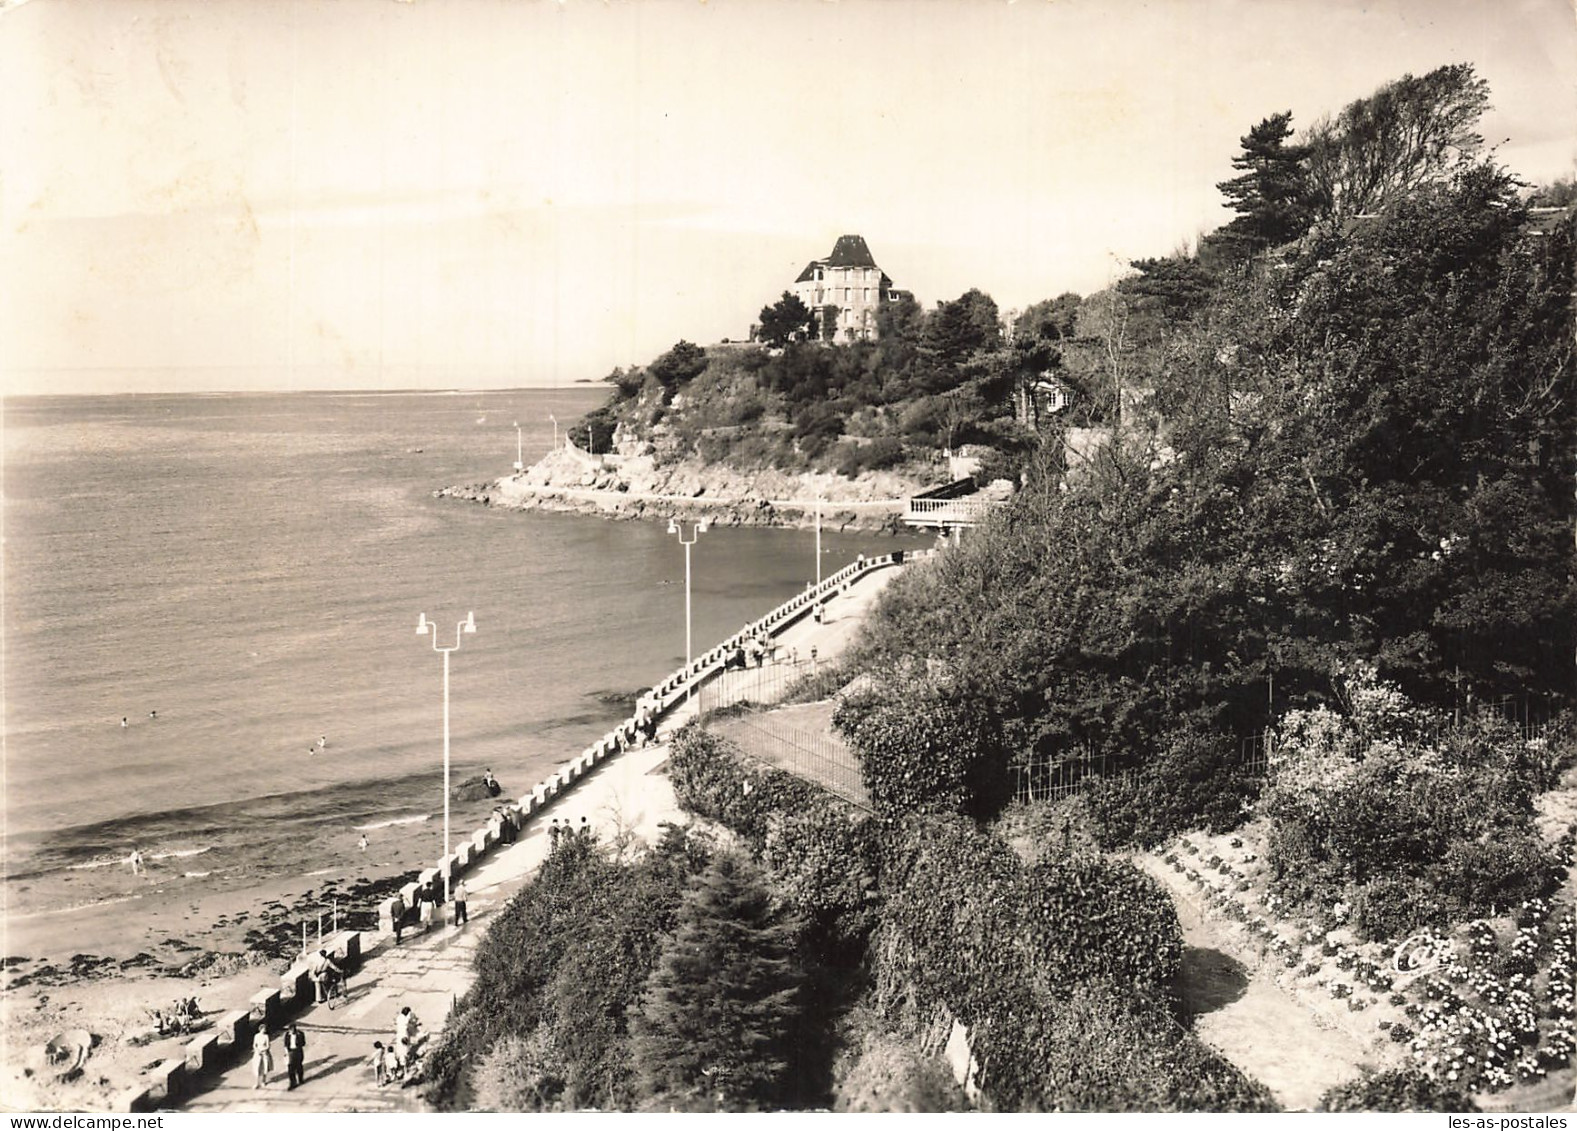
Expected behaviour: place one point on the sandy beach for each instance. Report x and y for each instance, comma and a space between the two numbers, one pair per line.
146, 940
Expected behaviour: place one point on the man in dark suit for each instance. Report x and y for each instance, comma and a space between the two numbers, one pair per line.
295, 1054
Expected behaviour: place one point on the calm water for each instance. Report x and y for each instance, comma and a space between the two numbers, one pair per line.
251, 568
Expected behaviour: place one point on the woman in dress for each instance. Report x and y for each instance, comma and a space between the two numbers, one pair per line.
262, 1056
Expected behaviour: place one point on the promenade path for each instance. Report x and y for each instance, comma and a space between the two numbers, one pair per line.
430, 971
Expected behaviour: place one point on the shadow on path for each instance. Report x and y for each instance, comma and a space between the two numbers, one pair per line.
1209, 980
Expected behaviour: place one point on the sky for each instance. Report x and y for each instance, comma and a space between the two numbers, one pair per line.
290, 194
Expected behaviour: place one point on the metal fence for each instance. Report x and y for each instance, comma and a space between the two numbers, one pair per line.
764, 685
1049, 777
818, 756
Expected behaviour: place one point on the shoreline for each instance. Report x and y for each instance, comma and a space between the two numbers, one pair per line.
632, 486
874, 517
168, 941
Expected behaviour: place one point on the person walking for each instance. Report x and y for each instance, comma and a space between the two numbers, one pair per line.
135, 860
295, 1055
585, 831
554, 832
262, 1057
460, 896
405, 1030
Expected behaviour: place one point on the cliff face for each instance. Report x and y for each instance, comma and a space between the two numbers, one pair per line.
633, 486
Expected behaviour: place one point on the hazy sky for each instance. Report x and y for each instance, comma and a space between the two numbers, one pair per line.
364, 193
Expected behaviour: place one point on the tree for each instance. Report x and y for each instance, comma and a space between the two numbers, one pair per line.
959, 328
1271, 194
784, 321
1051, 319
1409, 133
715, 1022
680, 365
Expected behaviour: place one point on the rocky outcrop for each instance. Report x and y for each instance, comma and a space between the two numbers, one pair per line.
636, 487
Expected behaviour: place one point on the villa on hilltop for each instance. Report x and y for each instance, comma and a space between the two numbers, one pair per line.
845, 290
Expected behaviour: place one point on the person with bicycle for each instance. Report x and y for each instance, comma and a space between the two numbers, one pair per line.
324, 973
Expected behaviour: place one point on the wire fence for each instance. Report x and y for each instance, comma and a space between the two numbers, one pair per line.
816, 755
762, 685
1052, 777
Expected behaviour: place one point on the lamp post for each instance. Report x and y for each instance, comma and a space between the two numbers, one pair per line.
425, 627
520, 459
695, 532
818, 541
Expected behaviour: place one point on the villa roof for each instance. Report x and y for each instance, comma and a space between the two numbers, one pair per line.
849, 251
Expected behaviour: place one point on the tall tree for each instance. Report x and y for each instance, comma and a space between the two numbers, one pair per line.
1409, 133
1270, 195
784, 321
715, 1022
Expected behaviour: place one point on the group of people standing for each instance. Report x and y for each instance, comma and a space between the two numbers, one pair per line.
395, 1060
295, 1056
564, 833
390, 1061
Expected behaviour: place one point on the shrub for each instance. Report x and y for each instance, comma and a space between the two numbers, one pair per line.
519, 1074
1398, 1090
1101, 1048
1410, 820
711, 778
967, 925
1195, 780
823, 863
885, 1073
925, 748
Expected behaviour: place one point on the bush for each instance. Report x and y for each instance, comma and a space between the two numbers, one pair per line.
1409, 819
823, 863
1101, 1048
925, 749
519, 1074
1398, 1090
711, 778
886, 1073
1195, 780
971, 927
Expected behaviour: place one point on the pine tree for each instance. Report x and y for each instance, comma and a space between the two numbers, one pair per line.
1271, 197
714, 1022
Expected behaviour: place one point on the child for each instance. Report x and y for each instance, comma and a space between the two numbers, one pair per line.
380, 1063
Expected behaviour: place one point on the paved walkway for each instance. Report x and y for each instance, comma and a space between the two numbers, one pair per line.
430, 971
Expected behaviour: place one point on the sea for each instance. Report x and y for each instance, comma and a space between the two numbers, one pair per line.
210, 610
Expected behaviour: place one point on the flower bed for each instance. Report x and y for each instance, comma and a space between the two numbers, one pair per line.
1482, 1008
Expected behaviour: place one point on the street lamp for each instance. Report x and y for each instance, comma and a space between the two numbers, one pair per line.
695, 532
818, 541
425, 627
520, 459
